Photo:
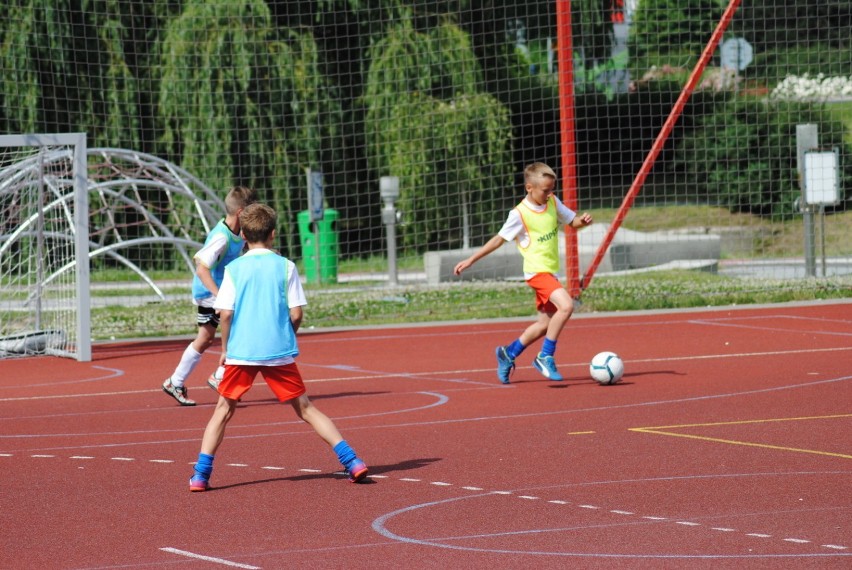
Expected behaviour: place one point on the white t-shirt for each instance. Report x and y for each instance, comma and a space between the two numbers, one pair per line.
227, 299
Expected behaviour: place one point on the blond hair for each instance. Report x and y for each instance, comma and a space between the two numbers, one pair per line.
238, 198
536, 171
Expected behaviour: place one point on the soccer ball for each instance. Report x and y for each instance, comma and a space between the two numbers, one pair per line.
606, 367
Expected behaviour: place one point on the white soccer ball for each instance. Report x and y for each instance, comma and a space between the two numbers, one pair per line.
606, 368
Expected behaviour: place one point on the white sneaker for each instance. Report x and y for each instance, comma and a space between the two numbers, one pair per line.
213, 382
178, 394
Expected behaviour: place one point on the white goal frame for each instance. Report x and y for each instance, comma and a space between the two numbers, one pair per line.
82, 346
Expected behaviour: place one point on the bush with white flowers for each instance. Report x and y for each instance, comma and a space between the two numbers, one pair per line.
813, 88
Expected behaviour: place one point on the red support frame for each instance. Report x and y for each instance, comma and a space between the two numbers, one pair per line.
565, 59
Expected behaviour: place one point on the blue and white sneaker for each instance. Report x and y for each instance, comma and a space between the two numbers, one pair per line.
547, 366
505, 364
357, 471
198, 483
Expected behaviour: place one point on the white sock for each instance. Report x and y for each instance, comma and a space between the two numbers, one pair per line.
187, 364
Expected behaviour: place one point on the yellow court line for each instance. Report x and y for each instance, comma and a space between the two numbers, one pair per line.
580, 432
739, 422
658, 430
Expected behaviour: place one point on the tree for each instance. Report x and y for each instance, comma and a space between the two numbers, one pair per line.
242, 102
773, 23
673, 26
427, 123
64, 69
746, 154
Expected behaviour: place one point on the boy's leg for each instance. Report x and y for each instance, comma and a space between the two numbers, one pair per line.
325, 428
174, 384
286, 383
213, 435
536, 330
237, 380
506, 355
561, 306
321, 423
564, 309
544, 285
215, 430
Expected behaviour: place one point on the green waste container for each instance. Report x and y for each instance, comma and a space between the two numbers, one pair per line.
325, 243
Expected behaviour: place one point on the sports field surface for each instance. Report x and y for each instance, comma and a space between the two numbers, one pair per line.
728, 444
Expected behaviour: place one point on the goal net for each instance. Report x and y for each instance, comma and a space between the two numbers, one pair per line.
44, 269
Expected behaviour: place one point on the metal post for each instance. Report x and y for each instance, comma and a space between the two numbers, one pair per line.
389, 191
807, 138
822, 237
392, 272
317, 261
316, 205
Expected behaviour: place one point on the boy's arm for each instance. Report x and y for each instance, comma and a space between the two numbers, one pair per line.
581, 221
225, 316
207, 257
296, 317
206, 277
491, 245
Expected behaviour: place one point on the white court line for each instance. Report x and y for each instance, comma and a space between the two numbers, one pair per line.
208, 558
440, 373
834, 547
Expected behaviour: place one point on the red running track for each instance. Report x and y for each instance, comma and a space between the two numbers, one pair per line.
727, 445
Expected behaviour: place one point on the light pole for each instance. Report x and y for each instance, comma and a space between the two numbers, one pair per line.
389, 191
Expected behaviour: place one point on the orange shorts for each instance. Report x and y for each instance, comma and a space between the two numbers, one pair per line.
544, 284
285, 381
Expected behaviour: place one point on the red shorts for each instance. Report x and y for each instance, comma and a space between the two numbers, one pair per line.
544, 284
285, 381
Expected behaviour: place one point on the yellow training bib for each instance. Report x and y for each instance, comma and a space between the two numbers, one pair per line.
542, 253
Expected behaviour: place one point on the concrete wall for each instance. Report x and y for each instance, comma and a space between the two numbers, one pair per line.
628, 250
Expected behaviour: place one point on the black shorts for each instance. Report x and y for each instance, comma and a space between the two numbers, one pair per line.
207, 316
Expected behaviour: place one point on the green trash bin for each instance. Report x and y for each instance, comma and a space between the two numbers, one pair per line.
324, 242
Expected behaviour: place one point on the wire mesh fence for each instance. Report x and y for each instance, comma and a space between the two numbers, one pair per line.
312, 103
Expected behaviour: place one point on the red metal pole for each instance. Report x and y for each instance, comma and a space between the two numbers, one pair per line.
565, 69
657, 147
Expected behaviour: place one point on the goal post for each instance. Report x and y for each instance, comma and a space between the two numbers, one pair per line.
45, 226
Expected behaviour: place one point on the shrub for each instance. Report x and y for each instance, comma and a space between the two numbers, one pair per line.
745, 155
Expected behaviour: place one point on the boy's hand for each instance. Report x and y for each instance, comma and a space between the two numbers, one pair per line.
461, 266
582, 221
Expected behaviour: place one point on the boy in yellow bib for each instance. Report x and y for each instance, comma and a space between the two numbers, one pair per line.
534, 226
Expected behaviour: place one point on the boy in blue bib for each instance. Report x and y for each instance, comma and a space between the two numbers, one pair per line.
260, 309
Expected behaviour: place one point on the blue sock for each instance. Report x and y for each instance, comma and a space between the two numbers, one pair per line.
548, 348
515, 349
204, 466
345, 454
